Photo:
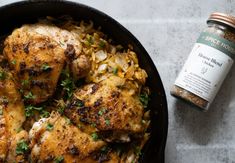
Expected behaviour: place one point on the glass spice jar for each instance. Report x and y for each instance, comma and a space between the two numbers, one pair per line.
208, 63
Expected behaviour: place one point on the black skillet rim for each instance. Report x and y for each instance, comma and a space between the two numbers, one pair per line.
159, 157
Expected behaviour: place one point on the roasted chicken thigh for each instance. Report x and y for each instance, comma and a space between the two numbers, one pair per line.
12, 117
37, 54
111, 106
56, 138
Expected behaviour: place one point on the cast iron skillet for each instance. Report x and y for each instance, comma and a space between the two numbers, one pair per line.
16, 14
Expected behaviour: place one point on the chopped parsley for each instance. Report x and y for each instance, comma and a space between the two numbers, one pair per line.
105, 149
101, 112
44, 114
21, 91
144, 99
65, 73
3, 75
29, 96
61, 109
79, 126
80, 103
13, 61
59, 159
45, 67
107, 122
24, 82
137, 150
89, 40
68, 86
102, 44
1, 110
49, 127
19, 129
115, 71
93, 125
29, 111
61, 106
94, 136
22, 147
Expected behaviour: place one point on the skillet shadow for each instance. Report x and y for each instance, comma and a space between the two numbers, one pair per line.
200, 126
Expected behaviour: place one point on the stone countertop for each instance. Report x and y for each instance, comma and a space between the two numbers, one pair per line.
168, 29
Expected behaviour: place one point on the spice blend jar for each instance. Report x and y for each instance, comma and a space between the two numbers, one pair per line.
208, 63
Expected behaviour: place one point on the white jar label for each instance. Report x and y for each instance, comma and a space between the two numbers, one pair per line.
207, 66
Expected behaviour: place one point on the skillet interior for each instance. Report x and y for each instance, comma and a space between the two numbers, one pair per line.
16, 14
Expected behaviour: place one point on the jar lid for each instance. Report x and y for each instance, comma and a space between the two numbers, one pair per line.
223, 18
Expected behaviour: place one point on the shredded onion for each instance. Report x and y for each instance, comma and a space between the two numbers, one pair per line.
100, 55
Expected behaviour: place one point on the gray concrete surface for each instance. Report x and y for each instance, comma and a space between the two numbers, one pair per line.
168, 29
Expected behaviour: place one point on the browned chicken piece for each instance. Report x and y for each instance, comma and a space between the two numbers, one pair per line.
12, 116
111, 106
37, 54
55, 138
18, 147
3, 138
78, 62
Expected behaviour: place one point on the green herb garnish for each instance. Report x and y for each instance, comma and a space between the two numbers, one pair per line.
22, 147
3, 75
102, 44
45, 67
79, 126
29, 96
105, 149
59, 159
68, 86
101, 112
44, 114
29, 110
61, 110
94, 136
89, 40
80, 103
144, 99
24, 82
13, 61
19, 129
115, 71
107, 122
137, 150
49, 127
21, 91
65, 73
93, 125
1, 110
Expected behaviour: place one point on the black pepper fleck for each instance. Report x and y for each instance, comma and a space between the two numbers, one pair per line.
70, 52
26, 48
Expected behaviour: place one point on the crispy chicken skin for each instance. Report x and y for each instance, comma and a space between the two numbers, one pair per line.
37, 54
68, 94
77, 61
113, 109
11, 119
37, 61
64, 140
